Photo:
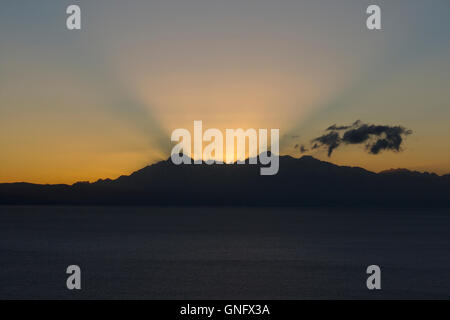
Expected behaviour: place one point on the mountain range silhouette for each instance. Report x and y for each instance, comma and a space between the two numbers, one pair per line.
303, 181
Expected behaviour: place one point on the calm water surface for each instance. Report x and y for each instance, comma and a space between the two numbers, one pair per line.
223, 253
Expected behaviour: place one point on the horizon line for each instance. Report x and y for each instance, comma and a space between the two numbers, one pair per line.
233, 163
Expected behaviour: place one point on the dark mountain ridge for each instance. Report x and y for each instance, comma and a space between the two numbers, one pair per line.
305, 181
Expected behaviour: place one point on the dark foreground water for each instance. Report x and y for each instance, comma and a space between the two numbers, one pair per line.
229, 253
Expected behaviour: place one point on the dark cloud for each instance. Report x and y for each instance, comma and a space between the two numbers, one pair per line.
334, 127
331, 140
376, 137
301, 148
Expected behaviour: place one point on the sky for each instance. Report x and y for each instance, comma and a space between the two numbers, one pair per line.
102, 101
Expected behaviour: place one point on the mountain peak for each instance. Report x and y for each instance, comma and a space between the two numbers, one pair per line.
310, 159
406, 172
303, 181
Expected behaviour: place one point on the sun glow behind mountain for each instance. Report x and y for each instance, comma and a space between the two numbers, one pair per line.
102, 102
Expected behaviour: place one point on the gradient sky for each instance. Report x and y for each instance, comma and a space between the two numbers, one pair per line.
102, 102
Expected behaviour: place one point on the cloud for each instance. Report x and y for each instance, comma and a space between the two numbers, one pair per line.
332, 140
334, 127
375, 137
303, 149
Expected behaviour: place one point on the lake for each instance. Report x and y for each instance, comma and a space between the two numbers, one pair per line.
223, 252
